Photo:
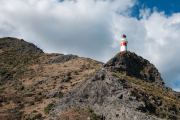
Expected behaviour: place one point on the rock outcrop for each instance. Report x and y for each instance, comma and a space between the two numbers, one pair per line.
135, 66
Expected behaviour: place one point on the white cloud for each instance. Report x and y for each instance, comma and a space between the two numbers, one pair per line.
92, 28
178, 89
81, 27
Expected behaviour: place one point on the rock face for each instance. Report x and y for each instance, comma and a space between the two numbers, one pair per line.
108, 96
135, 66
127, 87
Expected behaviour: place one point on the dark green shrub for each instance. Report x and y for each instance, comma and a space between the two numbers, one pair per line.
48, 108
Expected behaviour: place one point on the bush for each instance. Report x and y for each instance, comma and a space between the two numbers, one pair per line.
33, 116
94, 116
59, 95
48, 108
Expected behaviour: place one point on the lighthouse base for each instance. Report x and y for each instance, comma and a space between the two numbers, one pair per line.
123, 48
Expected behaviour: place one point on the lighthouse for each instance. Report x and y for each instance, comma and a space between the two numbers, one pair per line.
123, 44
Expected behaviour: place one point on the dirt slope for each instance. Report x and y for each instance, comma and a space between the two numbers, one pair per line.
30, 80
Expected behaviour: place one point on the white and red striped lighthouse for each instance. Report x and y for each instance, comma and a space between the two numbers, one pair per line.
123, 44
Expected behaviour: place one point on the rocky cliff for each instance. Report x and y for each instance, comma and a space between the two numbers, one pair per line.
36, 86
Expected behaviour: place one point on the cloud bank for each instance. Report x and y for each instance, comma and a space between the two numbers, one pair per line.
92, 28
80, 27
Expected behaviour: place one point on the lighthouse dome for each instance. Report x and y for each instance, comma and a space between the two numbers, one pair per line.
123, 36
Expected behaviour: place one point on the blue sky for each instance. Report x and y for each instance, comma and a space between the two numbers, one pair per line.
92, 28
167, 6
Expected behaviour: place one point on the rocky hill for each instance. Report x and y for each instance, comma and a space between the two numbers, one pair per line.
30, 80
135, 66
127, 87
36, 86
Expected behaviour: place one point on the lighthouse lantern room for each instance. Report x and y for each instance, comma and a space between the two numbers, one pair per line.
123, 43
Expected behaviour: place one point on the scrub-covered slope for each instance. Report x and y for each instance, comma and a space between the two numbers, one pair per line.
30, 80
36, 86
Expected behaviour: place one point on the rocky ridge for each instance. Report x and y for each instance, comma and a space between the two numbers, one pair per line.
127, 87
36, 86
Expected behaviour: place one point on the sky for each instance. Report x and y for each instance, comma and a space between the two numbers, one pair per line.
167, 6
92, 28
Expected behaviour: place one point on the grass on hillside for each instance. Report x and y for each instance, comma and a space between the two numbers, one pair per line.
163, 101
78, 113
13, 65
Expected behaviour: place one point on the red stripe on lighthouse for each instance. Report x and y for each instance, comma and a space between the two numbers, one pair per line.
123, 43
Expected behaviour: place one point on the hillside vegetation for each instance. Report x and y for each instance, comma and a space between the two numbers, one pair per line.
38, 86
32, 81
